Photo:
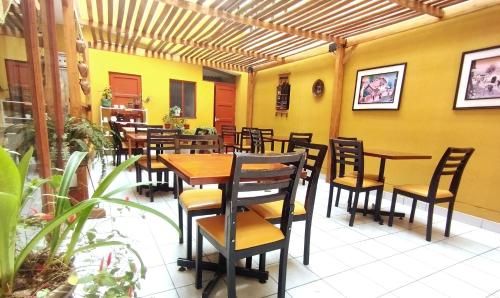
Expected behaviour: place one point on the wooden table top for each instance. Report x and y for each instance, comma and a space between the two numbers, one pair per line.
389, 154
198, 169
139, 136
128, 129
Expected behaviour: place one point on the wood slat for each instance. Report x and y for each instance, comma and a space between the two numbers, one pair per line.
419, 6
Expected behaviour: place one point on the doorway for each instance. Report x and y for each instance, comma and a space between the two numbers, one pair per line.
224, 105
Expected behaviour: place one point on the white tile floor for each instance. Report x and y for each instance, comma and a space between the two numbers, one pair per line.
367, 260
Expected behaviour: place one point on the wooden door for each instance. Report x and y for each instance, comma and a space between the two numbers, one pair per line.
19, 84
126, 88
224, 106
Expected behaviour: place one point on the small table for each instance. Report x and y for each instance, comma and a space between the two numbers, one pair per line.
392, 155
136, 137
198, 169
282, 139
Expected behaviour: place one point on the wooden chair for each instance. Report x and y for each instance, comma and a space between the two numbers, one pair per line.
300, 136
452, 164
229, 132
272, 211
243, 145
350, 153
237, 235
119, 146
349, 174
159, 141
197, 202
268, 133
257, 142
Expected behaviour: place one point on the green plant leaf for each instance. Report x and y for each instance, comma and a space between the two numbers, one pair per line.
106, 182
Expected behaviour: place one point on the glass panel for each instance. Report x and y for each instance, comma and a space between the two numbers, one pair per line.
189, 100
175, 93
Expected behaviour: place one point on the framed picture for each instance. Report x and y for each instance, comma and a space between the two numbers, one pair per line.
479, 80
379, 88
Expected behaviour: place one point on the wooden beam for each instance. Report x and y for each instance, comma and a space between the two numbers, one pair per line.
75, 104
250, 97
52, 79
338, 82
38, 100
218, 13
420, 6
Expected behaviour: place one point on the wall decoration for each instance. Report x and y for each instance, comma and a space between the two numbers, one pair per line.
318, 88
379, 88
478, 83
283, 95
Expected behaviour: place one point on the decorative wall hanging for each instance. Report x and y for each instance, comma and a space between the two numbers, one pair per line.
478, 83
318, 88
283, 95
379, 88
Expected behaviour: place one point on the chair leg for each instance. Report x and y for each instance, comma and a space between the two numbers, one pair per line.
307, 241
189, 237
248, 263
430, 213
337, 198
199, 259
330, 199
412, 212
349, 202
230, 277
367, 200
353, 208
393, 206
448, 218
158, 178
282, 273
262, 262
181, 224
118, 158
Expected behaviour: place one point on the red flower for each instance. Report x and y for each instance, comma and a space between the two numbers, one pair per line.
108, 261
44, 216
34, 210
127, 198
39, 267
131, 292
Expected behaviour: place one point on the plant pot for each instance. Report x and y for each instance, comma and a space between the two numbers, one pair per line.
83, 69
106, 102
186, 126
167, 125
84, 84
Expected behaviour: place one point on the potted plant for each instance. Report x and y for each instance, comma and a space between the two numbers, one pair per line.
106, 97
27, 269
173, 119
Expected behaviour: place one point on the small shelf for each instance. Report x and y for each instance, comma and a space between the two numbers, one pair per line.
123, 109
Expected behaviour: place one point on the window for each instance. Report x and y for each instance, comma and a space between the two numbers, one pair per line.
183, 95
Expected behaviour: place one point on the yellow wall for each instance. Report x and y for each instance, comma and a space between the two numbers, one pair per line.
307, 113
425, 123
155, 75
241, 100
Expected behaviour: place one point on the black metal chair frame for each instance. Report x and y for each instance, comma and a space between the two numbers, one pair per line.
118, 145
350, 152
313, 172
202, 144
159, 141
452, 163
244, 138
229, 131
257, 142
299, 136
260, 180
268, 133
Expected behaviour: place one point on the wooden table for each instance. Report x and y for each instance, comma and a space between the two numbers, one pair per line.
136, 137
282, 139
197, 169
384, 155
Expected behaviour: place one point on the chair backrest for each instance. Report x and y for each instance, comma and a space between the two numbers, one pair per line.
159, 141
257, 142
251, 175
245, 135
301, 136
198, 144
229, 131
142, 127
347, 152
267, 134
314, 161
452, 163
115, 133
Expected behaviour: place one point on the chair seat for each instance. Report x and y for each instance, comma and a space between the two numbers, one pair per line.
423, 190
273, 209
251, 230
155, 164
200, 199
351, 181
366, 176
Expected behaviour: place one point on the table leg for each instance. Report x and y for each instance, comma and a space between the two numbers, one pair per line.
129, 147
378, 203
282, 146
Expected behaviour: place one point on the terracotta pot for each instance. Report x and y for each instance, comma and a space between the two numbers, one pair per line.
167, 125
84, 84
186, 126
81, 46
83, 69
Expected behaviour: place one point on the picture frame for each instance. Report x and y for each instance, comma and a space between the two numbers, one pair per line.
379, 88
478, 84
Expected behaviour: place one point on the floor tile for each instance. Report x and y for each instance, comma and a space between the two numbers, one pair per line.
319, 289
417, 290
410, 266
157, 281
167, 294
324, 264
296, 274
472, 275
353, 284
376, 249
388, 277
351, 256
451, 286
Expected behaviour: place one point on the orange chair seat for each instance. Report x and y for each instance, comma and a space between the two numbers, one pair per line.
423, 190
251, 230
351, 181
273, 210
366, 176
155, 164
200, 199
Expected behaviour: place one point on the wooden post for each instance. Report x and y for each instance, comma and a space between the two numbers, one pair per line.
338, 81
52, 79
250, 90
75, 104
38, 102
